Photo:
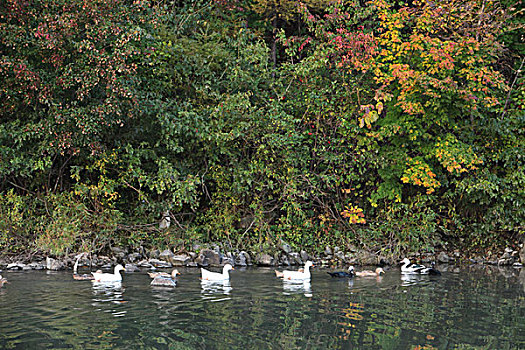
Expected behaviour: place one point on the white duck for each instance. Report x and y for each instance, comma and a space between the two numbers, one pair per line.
216, 276
408, 267
109, 277
298, 275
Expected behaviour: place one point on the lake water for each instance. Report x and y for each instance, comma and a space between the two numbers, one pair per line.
467, 308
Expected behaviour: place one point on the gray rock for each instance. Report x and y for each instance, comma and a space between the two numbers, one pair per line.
286, 248
443, 257
243, 259
304, 255
154, 254
506, 261
284, 260
340, 255
144, 263
131, 268
264, 259
15, 266
180, 260
36, 266
159, 263
351, 259
336, 250
192, 264
119, 252
196, 247
296, 258
327, 251
55, 265
240, 260
133, 257
104, 260
208, 257
166, 255
367, 258
506, 255
201, 260
227, 259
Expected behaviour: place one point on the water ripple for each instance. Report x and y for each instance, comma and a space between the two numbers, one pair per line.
256, 310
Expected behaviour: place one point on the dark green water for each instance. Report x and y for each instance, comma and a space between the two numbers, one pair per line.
470, 308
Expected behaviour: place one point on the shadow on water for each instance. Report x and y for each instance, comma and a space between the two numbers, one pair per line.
475, 307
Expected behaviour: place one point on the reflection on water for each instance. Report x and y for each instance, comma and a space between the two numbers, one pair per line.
465, 308
295, 287
410, 279
214, 287
107, 287
112, 292
522, 278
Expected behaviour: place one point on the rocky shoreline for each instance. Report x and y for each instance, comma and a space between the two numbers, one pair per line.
212, 255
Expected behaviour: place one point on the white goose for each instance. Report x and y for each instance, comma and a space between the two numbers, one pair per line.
298, 275
109, 277
408, 267
216, 276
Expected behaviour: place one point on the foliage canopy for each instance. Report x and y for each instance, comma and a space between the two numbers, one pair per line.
399, 127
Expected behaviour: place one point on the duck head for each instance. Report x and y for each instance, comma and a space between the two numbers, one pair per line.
175, 273
380, 271
119, 268
405, 261
227, 268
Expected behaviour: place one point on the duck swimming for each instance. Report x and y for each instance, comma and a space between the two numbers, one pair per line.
162, 279
343, 274
216, 276
109, 277
173, 274
367, 273
297, 275
408, 267
2, 281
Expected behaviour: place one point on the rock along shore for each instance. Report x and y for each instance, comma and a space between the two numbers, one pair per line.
212, 255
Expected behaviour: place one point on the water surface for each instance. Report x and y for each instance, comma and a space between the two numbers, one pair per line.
467, 308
